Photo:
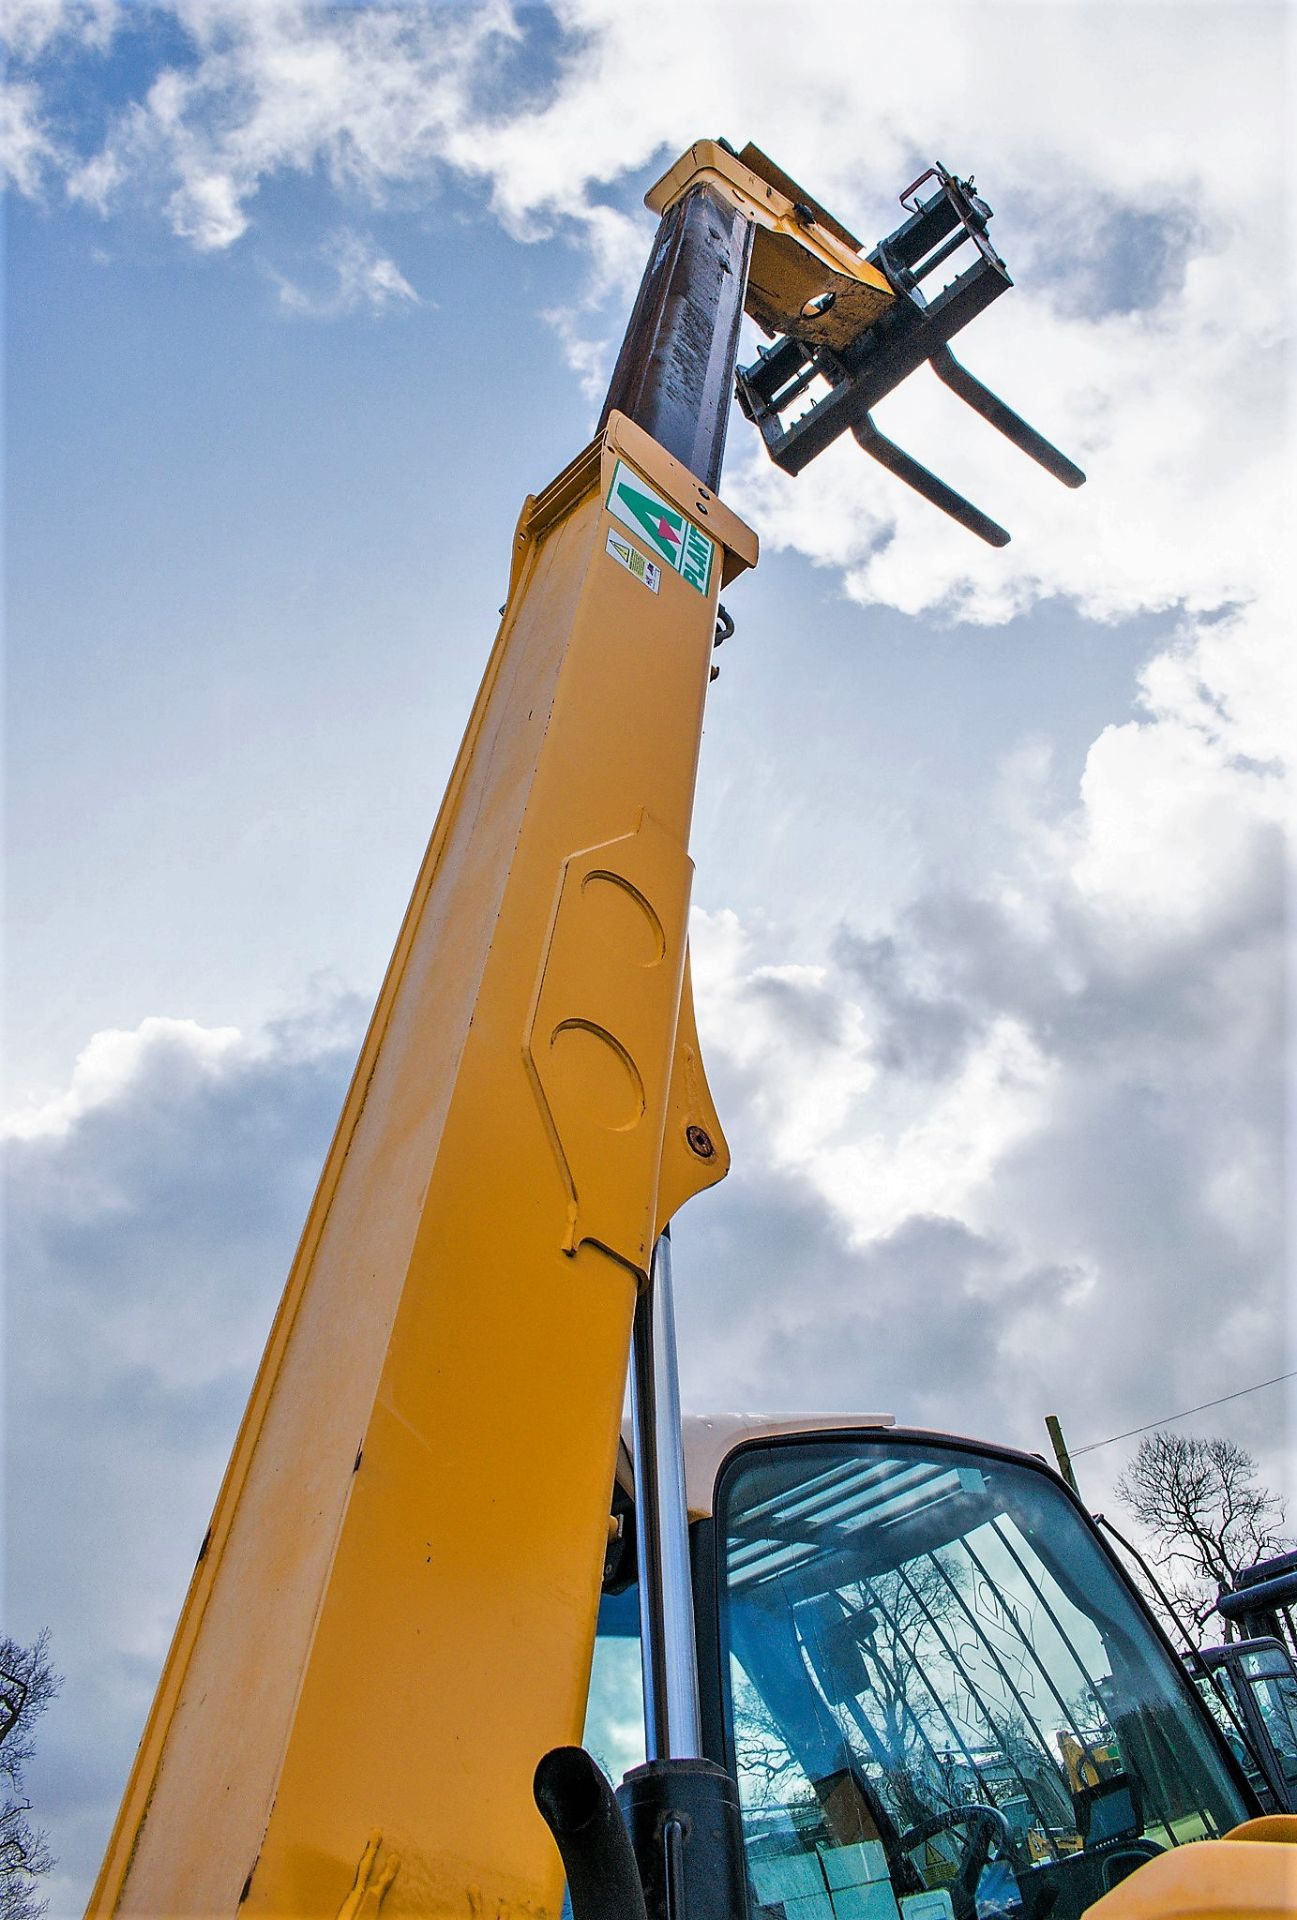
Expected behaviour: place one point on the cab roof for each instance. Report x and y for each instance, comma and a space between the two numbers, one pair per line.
709, 1437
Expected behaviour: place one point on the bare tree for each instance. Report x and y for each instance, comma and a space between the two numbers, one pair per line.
864, 1651
907, 1611
771, 1773
1207, 1513
28, 1683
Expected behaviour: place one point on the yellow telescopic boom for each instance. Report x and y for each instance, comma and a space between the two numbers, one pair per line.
392, 1615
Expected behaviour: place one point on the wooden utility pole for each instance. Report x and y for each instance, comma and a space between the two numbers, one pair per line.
1064, 1459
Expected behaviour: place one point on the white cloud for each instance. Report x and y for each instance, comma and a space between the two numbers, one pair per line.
1144, 338
151, 1215
1056, 1084
112, 1060
589, 359
1170, 839
32, 31
369, 96
30, 28
1174, 414
25, 143
879, 1148
207, 208
362, 277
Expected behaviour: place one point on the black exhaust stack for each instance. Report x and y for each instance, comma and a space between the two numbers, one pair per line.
581, 1811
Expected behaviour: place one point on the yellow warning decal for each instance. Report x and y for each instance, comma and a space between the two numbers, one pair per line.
633, 560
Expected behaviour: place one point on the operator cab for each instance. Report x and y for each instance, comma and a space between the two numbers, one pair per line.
940, 1697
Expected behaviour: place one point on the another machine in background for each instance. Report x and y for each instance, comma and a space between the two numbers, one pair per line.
1255, 1681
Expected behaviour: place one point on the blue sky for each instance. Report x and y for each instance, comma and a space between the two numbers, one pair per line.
300, 304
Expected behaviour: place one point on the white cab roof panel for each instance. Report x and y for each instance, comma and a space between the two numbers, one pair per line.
710, 1437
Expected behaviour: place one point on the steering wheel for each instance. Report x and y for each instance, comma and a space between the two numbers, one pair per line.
987, 1827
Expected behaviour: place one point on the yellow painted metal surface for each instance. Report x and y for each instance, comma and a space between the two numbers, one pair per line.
394, 1611
1280, 1827
1249, 1875
794, 259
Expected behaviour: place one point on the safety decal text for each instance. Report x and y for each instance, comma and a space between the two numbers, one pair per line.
633, 560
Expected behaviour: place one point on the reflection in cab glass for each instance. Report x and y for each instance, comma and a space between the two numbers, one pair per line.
944, 1703
1220, 1696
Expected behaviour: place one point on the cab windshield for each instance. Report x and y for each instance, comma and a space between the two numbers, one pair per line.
944, 1703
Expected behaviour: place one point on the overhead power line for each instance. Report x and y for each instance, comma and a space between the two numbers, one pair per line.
1202, 1407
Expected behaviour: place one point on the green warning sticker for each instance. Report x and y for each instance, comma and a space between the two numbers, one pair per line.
679, 543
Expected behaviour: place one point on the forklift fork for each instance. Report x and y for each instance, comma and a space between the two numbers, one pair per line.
909, 331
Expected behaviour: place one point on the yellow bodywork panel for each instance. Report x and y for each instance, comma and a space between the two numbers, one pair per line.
1249, 1875
799, 253
393, 1614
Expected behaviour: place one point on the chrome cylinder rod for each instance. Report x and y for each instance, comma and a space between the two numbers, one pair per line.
675, 373
668, 1651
